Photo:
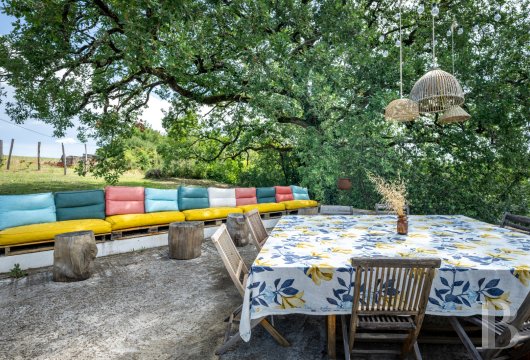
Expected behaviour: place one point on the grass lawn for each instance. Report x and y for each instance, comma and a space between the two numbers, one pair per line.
23, 178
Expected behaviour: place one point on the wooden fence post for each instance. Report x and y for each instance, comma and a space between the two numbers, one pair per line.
1, 152
64, 158
38, 156
10, 152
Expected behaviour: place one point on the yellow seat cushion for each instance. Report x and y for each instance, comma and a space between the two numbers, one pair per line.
210, 213
127, 221
298, 204
264, 207
40, 232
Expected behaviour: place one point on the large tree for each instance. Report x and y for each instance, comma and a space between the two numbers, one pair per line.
307, 77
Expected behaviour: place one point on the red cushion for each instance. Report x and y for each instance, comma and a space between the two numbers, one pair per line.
121, 200
246, 196
283, 193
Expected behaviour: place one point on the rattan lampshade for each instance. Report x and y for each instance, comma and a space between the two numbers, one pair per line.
437, 91
454, 114
402, 110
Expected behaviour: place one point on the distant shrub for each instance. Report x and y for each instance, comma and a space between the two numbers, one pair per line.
154, 174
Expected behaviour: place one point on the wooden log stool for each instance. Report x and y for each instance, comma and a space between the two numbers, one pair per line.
238, 229
73, 256
185, 239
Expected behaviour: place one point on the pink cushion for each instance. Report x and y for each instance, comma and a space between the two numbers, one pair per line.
121, 200
283, 193
246, 196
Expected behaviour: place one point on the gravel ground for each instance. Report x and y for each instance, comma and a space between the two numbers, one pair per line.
143, 305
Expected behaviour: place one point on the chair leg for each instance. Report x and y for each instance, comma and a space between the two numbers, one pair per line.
234, 339
347, 352
417, 353
274, 333
471, 349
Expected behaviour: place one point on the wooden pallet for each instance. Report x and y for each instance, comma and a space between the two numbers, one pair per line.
272, 215
38, 246
139, 231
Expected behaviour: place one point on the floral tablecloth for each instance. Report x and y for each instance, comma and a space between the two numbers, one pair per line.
304, 266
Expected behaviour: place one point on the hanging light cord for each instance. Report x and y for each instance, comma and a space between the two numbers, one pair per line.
453, 44
400, 56
433, 44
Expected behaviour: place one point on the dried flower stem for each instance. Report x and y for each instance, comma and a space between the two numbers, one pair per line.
394, 193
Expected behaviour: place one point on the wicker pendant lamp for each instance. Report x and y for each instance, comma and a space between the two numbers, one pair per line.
401, 109
454, 114
437, 90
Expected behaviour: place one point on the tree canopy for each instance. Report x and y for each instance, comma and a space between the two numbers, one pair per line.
294, 88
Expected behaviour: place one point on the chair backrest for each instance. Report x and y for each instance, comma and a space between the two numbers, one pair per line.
383, 209
392, 286
335, 210
232, 260
519, 322
257, 228
516, 222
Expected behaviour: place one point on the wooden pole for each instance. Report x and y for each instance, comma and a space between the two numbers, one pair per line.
86, 160
10, 152
64, 158
1, 152
38, 156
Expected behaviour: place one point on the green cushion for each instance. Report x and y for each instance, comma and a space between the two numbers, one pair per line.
193, 198
75, 205
300, 193
266, 195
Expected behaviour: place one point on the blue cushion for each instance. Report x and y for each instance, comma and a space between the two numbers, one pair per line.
300, 193
193, 198
266, 195
76, 205
18, 210
161, 200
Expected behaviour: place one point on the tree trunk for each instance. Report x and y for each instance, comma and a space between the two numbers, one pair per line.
185, 239
73, 256
238, 229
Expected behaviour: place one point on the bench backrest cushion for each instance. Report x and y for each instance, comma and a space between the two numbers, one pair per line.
300, 193
266, 195
76, 205
161, 200
222, 197
193, 198
121, 200
246, 196
18, 210
283, 193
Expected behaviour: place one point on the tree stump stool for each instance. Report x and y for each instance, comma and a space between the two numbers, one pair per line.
185, 239
73, 256
308, 211
238, 229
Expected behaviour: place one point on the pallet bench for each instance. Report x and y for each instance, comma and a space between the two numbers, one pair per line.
40, 246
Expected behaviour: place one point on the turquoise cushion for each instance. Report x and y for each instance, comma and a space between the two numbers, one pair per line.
266, 195
18, 210
300, 193
161, 200
193, 198
75, 205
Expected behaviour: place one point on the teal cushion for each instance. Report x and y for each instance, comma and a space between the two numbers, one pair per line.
18, 210
75, 205
193, 198
161, 200
300, 193
266, 195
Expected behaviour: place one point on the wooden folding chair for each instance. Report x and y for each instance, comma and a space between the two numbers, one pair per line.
390, 294
238, 272
383, 209
257, 228
513, 337
516, 222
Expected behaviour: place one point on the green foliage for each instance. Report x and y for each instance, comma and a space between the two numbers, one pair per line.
283, 92
16, 272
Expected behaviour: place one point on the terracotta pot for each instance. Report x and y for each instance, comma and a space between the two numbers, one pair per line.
402, 225
344, 184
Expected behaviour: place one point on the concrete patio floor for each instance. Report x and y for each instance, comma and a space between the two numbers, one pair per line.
143, 305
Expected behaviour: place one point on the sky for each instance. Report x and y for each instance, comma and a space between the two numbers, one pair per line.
27, 135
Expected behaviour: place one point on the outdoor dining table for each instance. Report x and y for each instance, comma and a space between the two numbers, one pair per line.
304, 267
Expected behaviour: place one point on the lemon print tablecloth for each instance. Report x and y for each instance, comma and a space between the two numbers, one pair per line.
304, 266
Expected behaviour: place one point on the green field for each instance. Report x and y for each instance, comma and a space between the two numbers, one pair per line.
23, 178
